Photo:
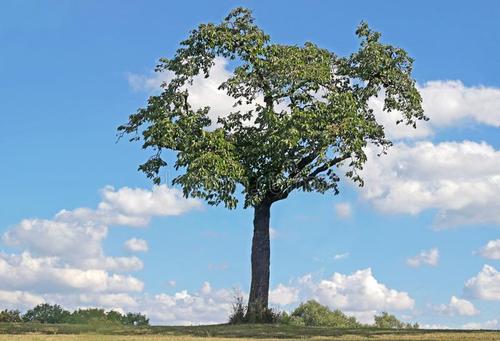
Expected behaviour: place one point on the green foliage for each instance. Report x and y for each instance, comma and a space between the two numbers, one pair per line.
268, 152
388, 321
10, 316
312, 313
135, 319
100, 316
46, 313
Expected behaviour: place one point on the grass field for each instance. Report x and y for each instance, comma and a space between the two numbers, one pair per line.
27, 331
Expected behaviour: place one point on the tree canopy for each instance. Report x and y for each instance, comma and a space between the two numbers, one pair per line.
309, 113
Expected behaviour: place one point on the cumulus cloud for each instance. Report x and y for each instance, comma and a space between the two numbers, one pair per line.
73, 240
491, 250
457, 306
340, 256
461, 180
425, 257
205, 306
46, 274
485, 285
133, 206
490, 324
62, 259
77, 243
359, 294
136, 245
434, 326
447, 103
17, 299
343, 210
283, 295
203, 92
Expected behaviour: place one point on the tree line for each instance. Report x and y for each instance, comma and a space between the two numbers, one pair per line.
47, 313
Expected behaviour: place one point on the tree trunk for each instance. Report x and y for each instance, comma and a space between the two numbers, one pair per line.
261, 252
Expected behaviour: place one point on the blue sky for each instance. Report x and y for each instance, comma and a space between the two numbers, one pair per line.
72, 71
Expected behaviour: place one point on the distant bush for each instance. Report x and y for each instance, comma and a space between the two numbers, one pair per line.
388, 321
10, 316
47, 313
94, 316
312, 313
135, 319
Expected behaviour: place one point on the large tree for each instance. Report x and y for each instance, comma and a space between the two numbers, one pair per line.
301, 117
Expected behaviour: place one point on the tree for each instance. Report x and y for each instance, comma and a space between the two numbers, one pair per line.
46, 313
10, 316
309, 120
388, 321
312, 313
135, 319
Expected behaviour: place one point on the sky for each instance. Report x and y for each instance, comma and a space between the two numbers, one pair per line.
81, 227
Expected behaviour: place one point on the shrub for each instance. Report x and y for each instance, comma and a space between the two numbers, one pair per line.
46, 313
135, 319
242, 313
10, 316
312, 313
238, 310
82, 316
388, 321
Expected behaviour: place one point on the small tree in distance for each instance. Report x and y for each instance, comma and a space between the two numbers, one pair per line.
267, 152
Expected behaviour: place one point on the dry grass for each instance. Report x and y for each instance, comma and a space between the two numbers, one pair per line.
434, 336
257, 332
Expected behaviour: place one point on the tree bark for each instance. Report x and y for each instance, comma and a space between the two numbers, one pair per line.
261, 253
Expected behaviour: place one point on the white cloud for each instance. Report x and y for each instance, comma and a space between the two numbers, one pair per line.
461, 180
358, 294
19, 299
62, 260
206, 306
434, 326
491, 250
447, 103
133, 206
283, 295
72, 240
77, 243
490, 324
485, 285
24, 272
116, 264
457, 306
341, 256
203, 92
343, 210
118, 301
136, 245
393, 130
425, 257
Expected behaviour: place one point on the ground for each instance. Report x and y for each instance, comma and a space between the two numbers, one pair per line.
42, 332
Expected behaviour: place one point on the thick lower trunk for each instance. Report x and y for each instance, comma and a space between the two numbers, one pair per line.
261, 252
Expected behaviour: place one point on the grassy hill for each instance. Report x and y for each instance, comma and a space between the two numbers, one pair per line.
36, 331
